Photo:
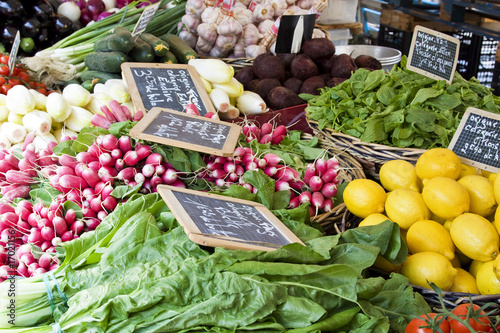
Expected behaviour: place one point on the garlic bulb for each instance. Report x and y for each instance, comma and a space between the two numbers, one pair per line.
188, 37
253, 51
279, 7
225, 43
209, 15
265, 26
251, 34
208, 32
195, 7
244, 16
263, 12
191, 22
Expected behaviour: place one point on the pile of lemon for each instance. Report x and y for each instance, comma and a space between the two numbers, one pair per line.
448, 214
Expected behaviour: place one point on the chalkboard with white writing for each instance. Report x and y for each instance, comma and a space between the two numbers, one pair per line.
217, 220
188, 131
170, 86
433, 54
477, 139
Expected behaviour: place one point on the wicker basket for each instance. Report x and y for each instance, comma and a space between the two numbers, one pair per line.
350, 170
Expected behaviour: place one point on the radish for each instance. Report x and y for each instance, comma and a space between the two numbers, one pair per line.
294, 202
329, 176
310, 171
68, 235
212, 166
92, 224
101, 215
239, 170
297, 185
315, 183
126, 173
251, 166
333, 163
239, 151
329, 190
266, 139
21, 191
131, 158
120, 164
278, 134
109, 203
110, 142
44, 222
233, 177
266, 128
321, 166
229, 167
33, 219
139, 178
70, 216
287, 174
220, 159
305, 197
95, 204
248, 186
125, 144
106, 191
60, 225
12, 160
159, 170
154, 159
155, 181
88, 193
45, 245
148, 170
90, 176
76, 228
327, 205
106, 159
19, 177
219, 174
35, 236
74, 195
170, 176
56, 241
99, 120
30, 154
282, 185
45, 260
142, 152
27, 259
94, 165
65, 170
47, 233
317, 200
86, 157
179, 183
88, 212
131, 183
22, 269
39, 271
261, 163
116, 153
94, 150
5, 207
138, 115
26, 166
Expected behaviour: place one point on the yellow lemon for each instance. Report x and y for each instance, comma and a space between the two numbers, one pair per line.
405, 207
464, 282
467, 170
475, 236
373, 219
438, 162
423, 267
496, 267
488, 174
445, 197
399, 173
447, 224
482, 197
486, 280
364, 197
496, 221
427, 235
474, 266
496, 188
385, 265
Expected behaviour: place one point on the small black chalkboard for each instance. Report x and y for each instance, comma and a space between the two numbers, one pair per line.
216, 220
147, 15
477, 139
188, 131
170, 86
293, 31
433, 54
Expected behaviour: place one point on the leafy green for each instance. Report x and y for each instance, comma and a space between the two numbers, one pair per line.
400, 108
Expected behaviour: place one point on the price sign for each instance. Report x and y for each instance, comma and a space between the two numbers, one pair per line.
433, 54
477, 139
216, 220
13, 52
187, 131
147, 15
169, 86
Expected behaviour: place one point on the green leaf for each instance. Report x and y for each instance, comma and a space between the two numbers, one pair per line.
72, 205
125, 191
374, 131
257, 178
121, 128
86, 138
265, 194
45, 194
424, 94
422, 118
64, 147
281, 200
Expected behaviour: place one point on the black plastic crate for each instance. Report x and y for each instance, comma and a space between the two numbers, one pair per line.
476, 56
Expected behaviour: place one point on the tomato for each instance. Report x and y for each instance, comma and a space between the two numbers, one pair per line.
479, 322
4, 59
4, 88
2, 80
14, 82
414, 325
4, 70
23, 76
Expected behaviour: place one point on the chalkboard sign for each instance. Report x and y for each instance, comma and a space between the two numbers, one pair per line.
433, 54
477, 139
216, 220
147, 15
188, 131
170, 86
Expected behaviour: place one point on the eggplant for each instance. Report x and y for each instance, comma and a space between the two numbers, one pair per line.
8, 33
11, 8
31, 28
54, 3
43, 39
62, 25
42, 11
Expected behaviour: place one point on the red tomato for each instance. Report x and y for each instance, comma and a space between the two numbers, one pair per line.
4, 70
23, 76
4, 59
2, 80
4, 88
14, 82
480, 324
414, 325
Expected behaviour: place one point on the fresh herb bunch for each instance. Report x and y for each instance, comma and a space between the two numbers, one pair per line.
400, 108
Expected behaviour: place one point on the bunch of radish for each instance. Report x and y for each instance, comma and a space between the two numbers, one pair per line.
264, 134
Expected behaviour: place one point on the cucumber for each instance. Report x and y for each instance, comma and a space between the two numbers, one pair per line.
183, 52
159, 46
109, 62
168, 58
101, 77
120, 40
142, 51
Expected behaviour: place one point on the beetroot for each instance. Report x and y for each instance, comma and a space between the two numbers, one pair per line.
343, 66
303, 67
271, 67
281, 98
312, 85
293, 84
318, 48
265, 86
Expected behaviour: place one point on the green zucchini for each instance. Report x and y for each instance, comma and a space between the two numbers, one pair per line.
109, 62
183, 52
168, 58
120, 40
159, 46
142, 51
101, 77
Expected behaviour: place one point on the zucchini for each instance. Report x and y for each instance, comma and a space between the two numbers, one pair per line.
183, 52
120, 40
109, 62
168, 58
142, 51
159, 46
101, 77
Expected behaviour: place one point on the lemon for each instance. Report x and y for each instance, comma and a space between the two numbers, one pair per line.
474, 266
467, 170
475, 236
464, 282
385, 265
496, 188
445, 197
496, 221
447, 224
399, 173
364, 197
423, 267
373, 219
438, 162
405, 207
488, 174
486, 280
482, 197
427, 235
496, 267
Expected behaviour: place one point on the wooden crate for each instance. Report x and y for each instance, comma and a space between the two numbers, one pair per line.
355, 28
407, 22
